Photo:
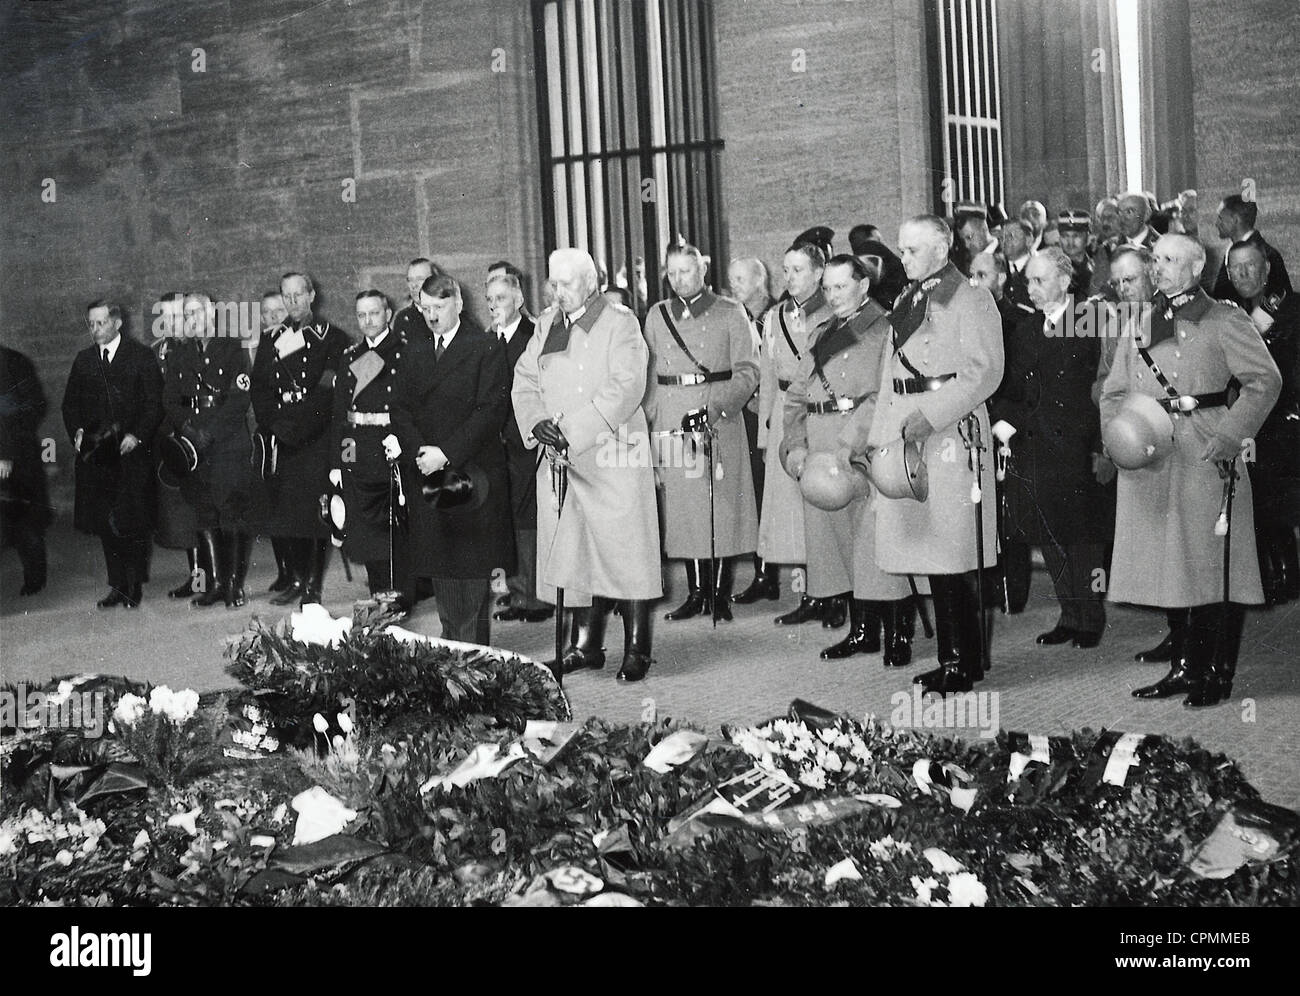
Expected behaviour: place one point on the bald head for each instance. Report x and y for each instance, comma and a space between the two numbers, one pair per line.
1177, 262
747, 278
1134, 211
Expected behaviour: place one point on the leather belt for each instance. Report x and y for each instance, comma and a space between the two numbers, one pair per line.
369, 418
919, 385
201, 401
783, 384
691, 380
837, 407
1190, 402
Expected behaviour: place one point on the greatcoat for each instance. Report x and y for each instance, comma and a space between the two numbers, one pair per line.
1166, 552
592, 376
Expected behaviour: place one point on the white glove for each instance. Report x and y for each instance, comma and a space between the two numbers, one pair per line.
392, 448
336, 477
1003, 431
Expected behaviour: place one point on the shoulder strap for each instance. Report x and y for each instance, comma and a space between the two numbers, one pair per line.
785, 331
1159, 374
666, 315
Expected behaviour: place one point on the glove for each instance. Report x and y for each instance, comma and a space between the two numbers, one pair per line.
430, 459
548, 433
1219, 450
336, 477
392, 448
1003, 431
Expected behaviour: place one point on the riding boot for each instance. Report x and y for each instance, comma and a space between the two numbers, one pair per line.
864, 632
189, 588
587, 636
765, 584
283, 572
574, 621
952, 674
318, 552
1218, 628
1178, 680
1163, 650
297, 555
837, 611
695, 600
974, 636
213, 542
721, 605
900, 626
241, 544
636, 641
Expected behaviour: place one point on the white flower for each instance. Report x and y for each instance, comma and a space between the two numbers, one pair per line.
186, 820
924, 889
345, 722
831, 762
315, 625
89, 844
64, 858
337, 743
884, 848
964, 889
813, 777
826, 735
8, 842
129, 709
843, 741
859, 750
941, 861
320, 723
178, 707
141, 841
61, 696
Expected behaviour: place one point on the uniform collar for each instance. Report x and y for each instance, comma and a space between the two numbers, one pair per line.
696, 306
374, 343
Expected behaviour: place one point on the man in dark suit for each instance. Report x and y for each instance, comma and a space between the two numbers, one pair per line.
408, 322
1016, 240
24, 499
1236, 223
450, 402
512, 329
112, 406
1045, 412
293, 395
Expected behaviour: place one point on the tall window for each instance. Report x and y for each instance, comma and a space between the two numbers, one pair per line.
968, 110
629, 135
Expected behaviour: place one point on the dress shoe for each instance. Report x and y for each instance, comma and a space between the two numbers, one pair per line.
513, 614
1176, 682
1158, 654
1086, 641
112, 599
635, 666
581, 660
807, 610
1061, 634
952, 678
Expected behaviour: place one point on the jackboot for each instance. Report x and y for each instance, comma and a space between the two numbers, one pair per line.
947, 594
696, 602
636, 641
1178, 680
240, 545
587, 649
296, 553
837, 611
1217, 630
318, 552
187, 588
1163, 650
975, 641
766, 584
807, 610
721, 604
864, 632
214, 543
900, 626
283, 572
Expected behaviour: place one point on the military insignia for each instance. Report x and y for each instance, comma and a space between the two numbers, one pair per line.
242, 383
318, 331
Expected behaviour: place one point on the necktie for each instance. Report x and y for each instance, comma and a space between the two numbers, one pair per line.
105, 356
501, 335
438, 348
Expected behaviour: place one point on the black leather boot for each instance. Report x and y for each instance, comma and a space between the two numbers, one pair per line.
695, 598
636, 641
588, 636
188, 588
1178, 680
1163, 650
318, 553
864, 632
900, 626
807, 610
214, 543
1268, 565
837, 611
953, 673
297, 556
1217, 630
721, 604
975, 640
765, 585
240, 546
283, 572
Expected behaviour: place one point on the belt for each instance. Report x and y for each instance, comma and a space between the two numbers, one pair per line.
837, 407
202, 401
919, 385
289, 397
691, 380
369, 418
1190, 402
783, 384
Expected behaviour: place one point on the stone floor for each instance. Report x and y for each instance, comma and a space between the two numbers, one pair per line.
744, 670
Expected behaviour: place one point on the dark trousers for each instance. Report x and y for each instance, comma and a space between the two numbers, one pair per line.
125, 558
1071, 568
522, 585
30, 547
757, 465
1016, 564
465, 607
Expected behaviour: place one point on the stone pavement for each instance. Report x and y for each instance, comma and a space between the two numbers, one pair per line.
746, 670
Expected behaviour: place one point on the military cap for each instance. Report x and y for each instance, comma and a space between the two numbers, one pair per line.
969, 209
1073, 221
819, 236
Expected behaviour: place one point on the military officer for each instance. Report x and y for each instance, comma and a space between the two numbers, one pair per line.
943, 362
206, 397
272, 313
376, 494
408, 322
112, 407
704, 362
1236, 222
577, 392
25, 510
1074, 227
827, 409
1167, 551
293, 396
1046, 415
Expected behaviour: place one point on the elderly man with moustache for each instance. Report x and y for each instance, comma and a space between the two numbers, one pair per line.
942, 363
1167, 550
577, 392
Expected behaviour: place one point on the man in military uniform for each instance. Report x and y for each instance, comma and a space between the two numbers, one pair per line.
293, 399
1167, 550
1236, 223
704, 362
513, 330
206, 396
577, 392
272, 313
1073, 227
828, 409
25, 510
112, 406
376, 496
943, 362
408, 322
1045, 414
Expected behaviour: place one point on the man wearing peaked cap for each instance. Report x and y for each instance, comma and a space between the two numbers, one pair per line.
1074, 227
819, 236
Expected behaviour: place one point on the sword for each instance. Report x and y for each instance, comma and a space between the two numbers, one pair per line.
715, 569
921, 610
975, 448
1223, 526
1001, 463
560, 488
